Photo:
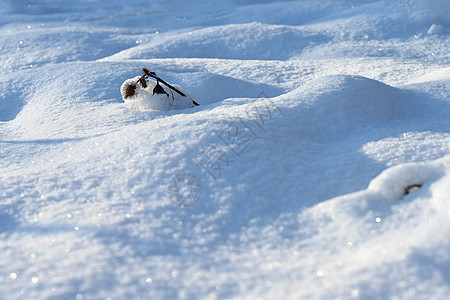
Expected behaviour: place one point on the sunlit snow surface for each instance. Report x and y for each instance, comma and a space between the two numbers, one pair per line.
317, 165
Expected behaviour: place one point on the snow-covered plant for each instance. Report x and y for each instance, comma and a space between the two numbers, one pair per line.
142, 93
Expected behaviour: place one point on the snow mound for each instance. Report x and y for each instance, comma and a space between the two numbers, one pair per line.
340, 104
408, 147
42, 103
236, 41
396, 182
40, 44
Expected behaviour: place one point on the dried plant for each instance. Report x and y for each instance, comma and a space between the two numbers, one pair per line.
146, 71
159, 89
143, 82
130, 90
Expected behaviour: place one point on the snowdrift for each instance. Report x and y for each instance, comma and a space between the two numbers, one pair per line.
317, 165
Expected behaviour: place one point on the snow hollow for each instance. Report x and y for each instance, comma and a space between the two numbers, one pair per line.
317, 165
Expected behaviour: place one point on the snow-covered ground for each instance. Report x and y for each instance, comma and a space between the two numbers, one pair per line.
317, 165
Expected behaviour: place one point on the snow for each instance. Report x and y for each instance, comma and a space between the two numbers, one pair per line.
317, 165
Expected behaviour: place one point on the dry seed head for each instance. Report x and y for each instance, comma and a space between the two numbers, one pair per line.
130, 90
143, 82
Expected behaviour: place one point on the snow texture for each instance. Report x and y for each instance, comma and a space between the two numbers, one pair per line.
317, 165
